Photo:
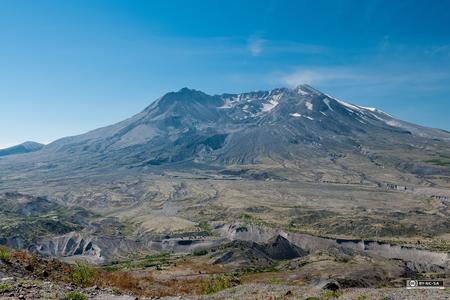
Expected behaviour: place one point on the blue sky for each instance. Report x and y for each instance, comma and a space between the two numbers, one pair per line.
67, 67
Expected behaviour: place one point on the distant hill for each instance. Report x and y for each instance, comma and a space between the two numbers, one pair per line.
26, 147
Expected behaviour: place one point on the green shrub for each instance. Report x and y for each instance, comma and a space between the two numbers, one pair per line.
206, 227
200, 252
6, 288
83, 274
74, 295
4, 254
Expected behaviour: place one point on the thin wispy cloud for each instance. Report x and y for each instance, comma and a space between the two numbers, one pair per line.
255, 45
366, 75
439, 51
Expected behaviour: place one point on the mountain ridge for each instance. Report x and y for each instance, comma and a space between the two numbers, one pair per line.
281, 125
161, 106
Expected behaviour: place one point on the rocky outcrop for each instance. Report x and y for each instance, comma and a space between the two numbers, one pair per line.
247, 254
280, 248
417, 260
72, 244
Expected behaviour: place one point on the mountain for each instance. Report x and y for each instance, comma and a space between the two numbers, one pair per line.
193, 128
307, 132
26, 147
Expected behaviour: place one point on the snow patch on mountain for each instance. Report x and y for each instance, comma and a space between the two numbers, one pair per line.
377, 117
375, 110
348, 105
231, 102
372, 109
273, 102
327, 103
393, 123
300, 91
297, 115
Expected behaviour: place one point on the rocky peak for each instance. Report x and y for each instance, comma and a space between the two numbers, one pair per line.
304, 89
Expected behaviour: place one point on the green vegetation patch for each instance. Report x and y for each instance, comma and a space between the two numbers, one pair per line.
149, 261
155, 260
206, 227
200, 252
6, 288
4, 254
83, 274
74, 295
439, 162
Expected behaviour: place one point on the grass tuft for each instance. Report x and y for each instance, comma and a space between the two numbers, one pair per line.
206, 227
74, 295
4, 254
6, 288
83, 274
